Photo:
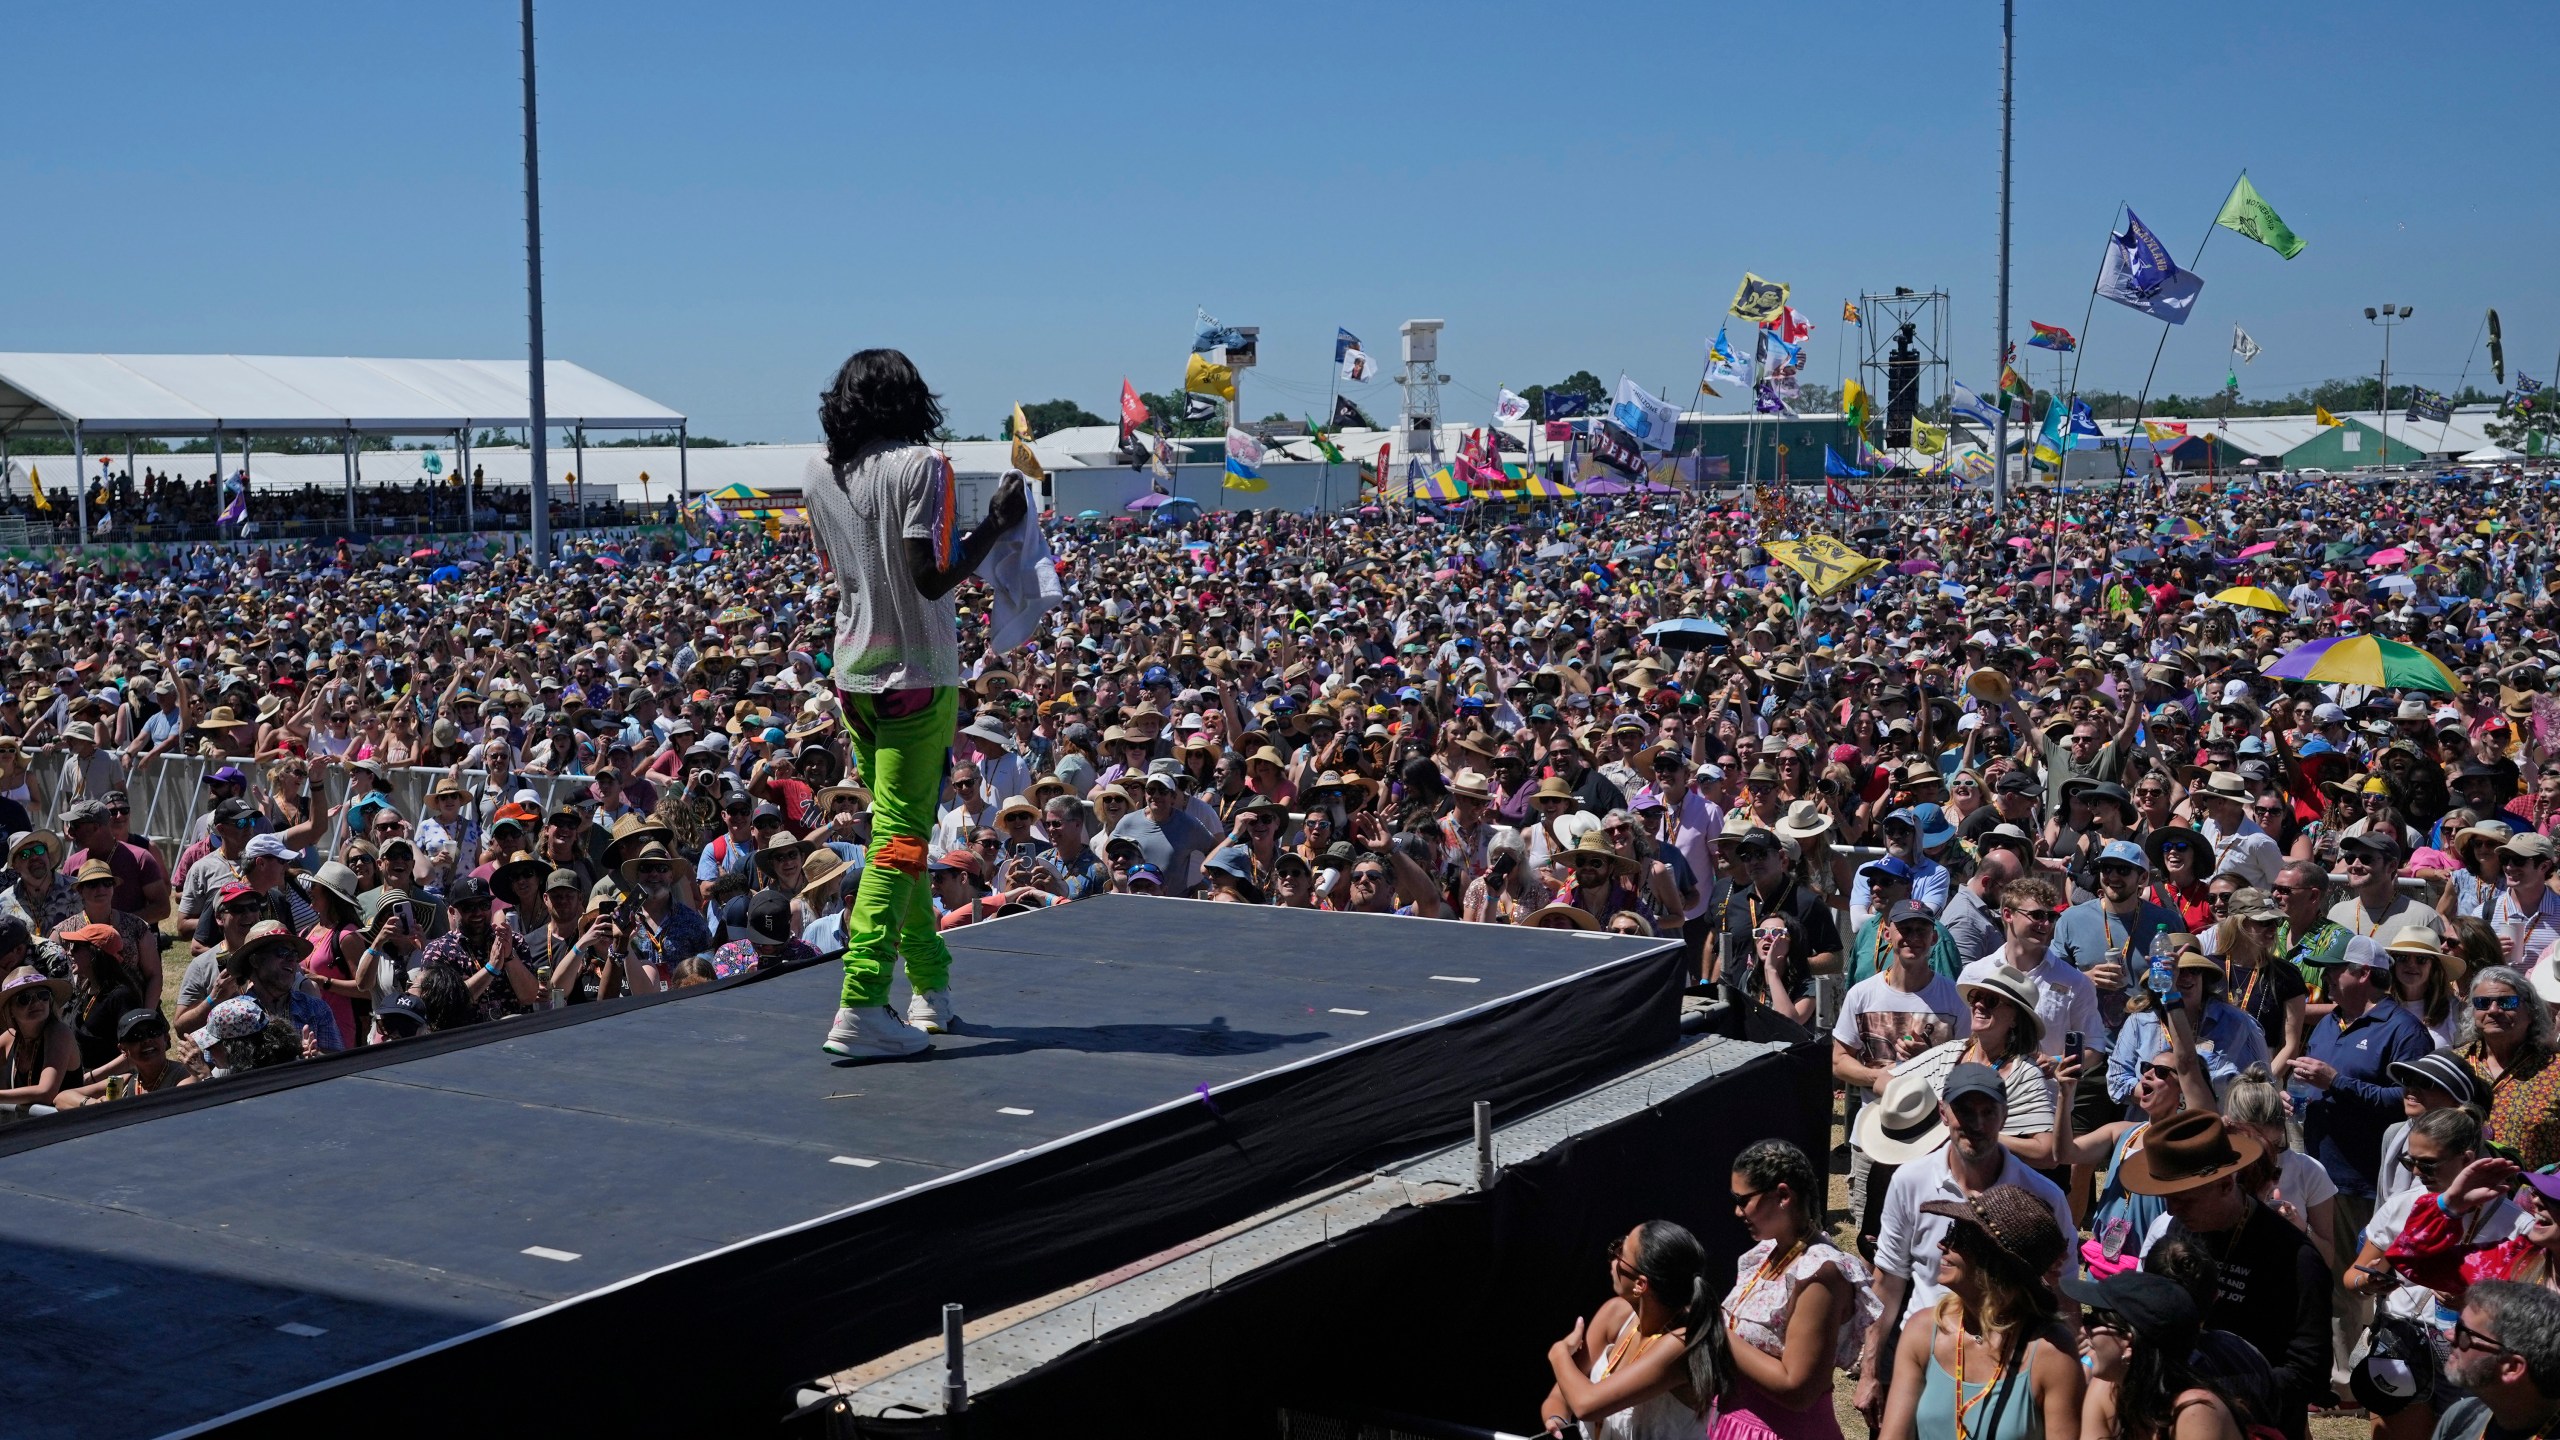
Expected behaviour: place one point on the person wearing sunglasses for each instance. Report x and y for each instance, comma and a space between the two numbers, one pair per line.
2227, 1040
2137, 1335
2511, 1047
1797, 1304
2506, 1353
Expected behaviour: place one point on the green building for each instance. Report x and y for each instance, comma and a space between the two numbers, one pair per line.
2346, 446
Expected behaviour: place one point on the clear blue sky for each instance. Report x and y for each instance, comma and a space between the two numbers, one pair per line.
1032, 199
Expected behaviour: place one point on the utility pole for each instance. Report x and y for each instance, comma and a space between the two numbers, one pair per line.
536, 423
2000, 430
2389, 319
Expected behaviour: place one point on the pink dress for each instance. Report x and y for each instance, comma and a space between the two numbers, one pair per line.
1756, 1313
324, 960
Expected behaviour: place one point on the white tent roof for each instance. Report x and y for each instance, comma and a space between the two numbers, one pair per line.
197, 394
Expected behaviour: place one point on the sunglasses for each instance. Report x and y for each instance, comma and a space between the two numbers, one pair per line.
1368, 877
2038, 917
2168, 1074
2466, 1338
2421, 1166
1741, 1202
2505, 1004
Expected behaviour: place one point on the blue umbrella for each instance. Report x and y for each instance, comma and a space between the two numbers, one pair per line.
1690, 633
443, 574
1088, 514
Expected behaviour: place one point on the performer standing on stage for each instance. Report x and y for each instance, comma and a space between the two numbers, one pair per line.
882, 503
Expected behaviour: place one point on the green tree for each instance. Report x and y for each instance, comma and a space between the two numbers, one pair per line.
663, 440
1051, 416
1580, 382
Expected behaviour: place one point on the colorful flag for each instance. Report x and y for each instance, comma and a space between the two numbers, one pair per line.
1787, 325
2051, 337
1726, 366
1331, 452
1849, 312
1358, 367
2247, 212
1837, 492
2243, 346
1853, 405
1508, 407
2429, 405
1928, 439
2139, 275
2160, 430
1652, 423
1160, 464
1965, 405
1203, 378
2015, 392
2083, 422
1559, 432
1561, 405
1835, 468
1244, 462
1766, 400
1023, 459
1344, 342
1133, 411
1756, 299
2320, 415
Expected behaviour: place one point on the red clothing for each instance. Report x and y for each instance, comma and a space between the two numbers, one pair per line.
324, 960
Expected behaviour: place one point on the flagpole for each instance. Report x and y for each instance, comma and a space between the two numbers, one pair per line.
2000, 430
2210, 226
2458, 387
2089, 312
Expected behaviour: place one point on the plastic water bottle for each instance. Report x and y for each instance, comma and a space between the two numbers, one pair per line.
2163, 978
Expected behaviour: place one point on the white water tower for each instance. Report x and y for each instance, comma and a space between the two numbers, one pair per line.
1418, 424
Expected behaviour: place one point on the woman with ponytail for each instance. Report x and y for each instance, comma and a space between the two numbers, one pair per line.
1799, 1308
1652, 1360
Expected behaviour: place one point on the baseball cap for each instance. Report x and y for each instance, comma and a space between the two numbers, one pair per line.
1971, 1080
1891, 867
402, 1015
2124, 852
1904, 910
1146, 872
268, 846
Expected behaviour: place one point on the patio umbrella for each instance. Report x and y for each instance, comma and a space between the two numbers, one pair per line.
2180, 526
1148, 501
2254, 598
2261, 548
1917, 567
444, 574
2366, 660
2021, 542
2395, 555
1691, 633
1088, 514
2138, 555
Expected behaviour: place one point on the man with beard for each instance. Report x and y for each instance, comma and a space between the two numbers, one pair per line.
484, 953
658, 928
2506, 1352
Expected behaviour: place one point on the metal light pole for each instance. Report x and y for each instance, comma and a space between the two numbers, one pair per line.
536, 422
2388, 318
2000, 429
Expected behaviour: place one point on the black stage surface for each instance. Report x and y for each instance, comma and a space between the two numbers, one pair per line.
662, 1217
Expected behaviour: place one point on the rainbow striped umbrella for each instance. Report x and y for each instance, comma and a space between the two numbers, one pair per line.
2180, 527
2366, 660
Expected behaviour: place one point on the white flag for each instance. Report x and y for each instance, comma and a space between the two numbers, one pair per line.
2242, 345
1358, 367
1508, 407
1652, 423
1245, 447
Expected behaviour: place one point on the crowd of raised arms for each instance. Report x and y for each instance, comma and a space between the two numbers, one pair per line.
2197, 1020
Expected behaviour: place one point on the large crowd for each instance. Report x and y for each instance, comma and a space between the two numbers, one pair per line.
2197, 1022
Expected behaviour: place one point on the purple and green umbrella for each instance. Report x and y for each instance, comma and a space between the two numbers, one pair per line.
2366, 660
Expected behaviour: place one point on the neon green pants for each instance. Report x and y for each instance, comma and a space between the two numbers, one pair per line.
902, 742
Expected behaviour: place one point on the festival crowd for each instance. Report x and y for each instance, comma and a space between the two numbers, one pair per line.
2198, 1022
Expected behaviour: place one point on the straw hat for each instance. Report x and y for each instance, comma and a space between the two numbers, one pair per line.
1573, 917
1988, 686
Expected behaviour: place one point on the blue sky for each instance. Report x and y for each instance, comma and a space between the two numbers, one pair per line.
1032, 200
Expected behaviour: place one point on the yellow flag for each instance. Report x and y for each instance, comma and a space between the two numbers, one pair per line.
1928, 439
1202, 378
1825, 563
1234, 481
1023, 459
36, 481
2321, 414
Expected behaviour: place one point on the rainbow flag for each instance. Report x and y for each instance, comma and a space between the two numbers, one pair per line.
2051, 337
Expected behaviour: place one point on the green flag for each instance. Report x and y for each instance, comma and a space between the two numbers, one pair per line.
1324, 444
2249, 213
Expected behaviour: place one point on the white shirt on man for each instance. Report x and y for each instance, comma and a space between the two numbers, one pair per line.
1907, 1240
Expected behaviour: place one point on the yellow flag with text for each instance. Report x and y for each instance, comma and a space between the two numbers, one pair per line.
1023, 459
1824, 562
1928, 439
1200, 377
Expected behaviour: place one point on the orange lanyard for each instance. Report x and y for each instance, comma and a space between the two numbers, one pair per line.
1963, 1406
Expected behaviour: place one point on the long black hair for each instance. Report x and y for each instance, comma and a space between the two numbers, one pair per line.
877, 396
1672, 1261
1768, 1164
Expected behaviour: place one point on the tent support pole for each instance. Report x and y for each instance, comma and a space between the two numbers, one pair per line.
578, 482
347, 447
80, 478
684, 489
470, 518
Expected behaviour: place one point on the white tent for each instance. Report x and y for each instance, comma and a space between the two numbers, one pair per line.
307, 395
2491, 455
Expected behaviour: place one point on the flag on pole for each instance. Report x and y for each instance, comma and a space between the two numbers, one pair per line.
1133, 411
1835, 490
1359, 367
1849, 312
2139, 275
1331, 452
2242, 345
1756, 299
1836, 469
1208, 335
1723, 365
1653, 424
35, 481
2083, 422
1203, 378
1560, 405
1347, 416
2320, 416
2160, 430
1853, 406
1023, 460
1508, 407
2247, 212
2015, 391
2497, 350
1344, 342
1244, 462
1965, 405
1928, 439
1199, 407
1787, 325
2051, 337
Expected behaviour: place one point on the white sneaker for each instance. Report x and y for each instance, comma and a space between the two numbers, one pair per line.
930, 1011
873, 1032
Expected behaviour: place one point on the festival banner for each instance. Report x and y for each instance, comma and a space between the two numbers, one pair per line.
1200, 377
1756, 299
1648, 421
2247, 212
1614, 448
1825, 563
